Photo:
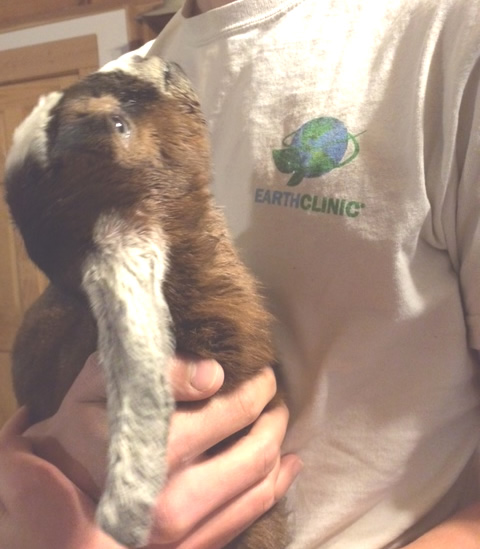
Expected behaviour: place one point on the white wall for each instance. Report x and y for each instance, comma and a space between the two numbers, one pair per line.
110, 28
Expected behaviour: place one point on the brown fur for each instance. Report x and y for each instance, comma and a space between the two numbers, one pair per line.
162, 180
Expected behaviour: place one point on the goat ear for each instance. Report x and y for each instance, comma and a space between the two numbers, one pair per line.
20, 182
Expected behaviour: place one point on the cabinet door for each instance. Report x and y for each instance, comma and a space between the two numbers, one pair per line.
20, 281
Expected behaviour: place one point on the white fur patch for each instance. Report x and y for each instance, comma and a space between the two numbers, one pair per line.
30, 136
149, 70
124, 62
123, 280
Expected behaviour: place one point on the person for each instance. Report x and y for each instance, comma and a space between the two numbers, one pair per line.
345, 148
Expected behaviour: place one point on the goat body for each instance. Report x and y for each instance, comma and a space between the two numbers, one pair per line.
108, 184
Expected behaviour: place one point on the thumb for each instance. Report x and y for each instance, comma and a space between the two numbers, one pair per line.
193, 378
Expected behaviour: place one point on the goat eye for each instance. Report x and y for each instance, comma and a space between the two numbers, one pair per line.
121, 126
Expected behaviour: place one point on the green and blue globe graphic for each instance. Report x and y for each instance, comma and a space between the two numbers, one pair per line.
316, 148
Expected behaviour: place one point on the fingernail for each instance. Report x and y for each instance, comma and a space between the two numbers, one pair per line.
204, 374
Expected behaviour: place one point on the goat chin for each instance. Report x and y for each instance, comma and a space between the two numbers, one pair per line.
108, 184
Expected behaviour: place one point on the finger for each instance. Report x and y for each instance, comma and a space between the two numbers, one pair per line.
190, 495
89, 386
193, 378
238, 514
83, 464
15, 425
194, 430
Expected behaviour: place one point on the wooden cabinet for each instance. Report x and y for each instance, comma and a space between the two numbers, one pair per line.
25, 74
30, 13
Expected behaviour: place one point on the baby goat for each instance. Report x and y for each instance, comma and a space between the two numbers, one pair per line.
108, 183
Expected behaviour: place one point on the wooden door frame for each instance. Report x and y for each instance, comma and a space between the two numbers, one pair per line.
61, 57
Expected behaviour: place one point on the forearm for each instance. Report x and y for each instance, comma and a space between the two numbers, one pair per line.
461, 531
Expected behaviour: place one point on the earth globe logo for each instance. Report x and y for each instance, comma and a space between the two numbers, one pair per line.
316, 148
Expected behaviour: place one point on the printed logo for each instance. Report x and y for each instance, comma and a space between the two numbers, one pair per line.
316, 148
310, 203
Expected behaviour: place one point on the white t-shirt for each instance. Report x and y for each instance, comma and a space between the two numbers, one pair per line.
346, 150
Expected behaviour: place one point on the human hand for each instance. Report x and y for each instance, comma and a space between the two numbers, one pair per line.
242, 482
75, 439
40, 508
210, 499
